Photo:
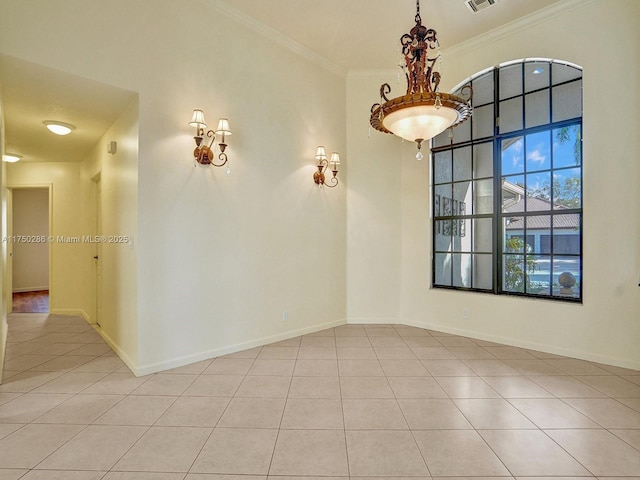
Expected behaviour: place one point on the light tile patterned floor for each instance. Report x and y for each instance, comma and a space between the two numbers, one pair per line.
353, 401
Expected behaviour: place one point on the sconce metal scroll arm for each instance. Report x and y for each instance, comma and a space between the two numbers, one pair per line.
319, 176
204, 154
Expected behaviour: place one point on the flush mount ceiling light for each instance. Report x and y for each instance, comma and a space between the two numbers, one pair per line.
59, 128
11, 157
423, 112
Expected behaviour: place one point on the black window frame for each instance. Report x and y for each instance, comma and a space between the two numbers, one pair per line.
447, 142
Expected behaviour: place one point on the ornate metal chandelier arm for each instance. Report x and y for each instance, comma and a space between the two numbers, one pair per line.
469, 89
384, 89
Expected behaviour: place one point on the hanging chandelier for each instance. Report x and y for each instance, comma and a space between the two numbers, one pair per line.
423, 112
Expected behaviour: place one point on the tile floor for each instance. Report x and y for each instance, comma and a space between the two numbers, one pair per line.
353, 401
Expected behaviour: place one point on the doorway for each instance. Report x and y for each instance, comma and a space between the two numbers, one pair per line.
29, 227
97, 205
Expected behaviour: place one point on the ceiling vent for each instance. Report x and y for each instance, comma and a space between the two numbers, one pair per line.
478, 5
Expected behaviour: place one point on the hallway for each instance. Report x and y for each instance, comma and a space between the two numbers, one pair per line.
354, 401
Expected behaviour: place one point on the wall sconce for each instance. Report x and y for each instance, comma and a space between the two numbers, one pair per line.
323, 164
204, 154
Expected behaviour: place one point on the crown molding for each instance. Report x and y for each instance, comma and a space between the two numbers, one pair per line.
276, 36
373, 72
494, 35
515, 26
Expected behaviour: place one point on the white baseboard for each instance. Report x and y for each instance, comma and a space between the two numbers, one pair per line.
30, 289
556, 350
116, 348
73, 312
374, 321
4, 328
205, 355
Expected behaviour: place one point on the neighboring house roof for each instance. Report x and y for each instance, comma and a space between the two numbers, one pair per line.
537, 204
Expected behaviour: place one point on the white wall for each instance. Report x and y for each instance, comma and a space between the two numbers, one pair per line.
219, 258
601, 36
30, 257
4, 289
118, 198
373, 207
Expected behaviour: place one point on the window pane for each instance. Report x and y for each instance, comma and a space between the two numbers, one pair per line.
539, 234
567, 146
513, 279
567, 101
566, 275
482, 268
442, 199
483, 235
566, 234
483, 196
461, 133
441, 139
442, 167
443, 269
538, 280
513, 194
461, 270
567, 188
442, 207
511, 115
462, 164
538, 191
536, 108
443, 235
563, 73
512, 155
483, 121
536, 75
538, 151
461, 204
510, 81
460, 235
461, 232
483, 160
564, 244
483, 89
513, 235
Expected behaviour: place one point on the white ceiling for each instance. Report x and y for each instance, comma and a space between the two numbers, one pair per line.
365, 34
32, 94
350, 34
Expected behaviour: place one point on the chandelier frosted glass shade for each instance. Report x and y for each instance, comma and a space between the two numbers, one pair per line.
421, 116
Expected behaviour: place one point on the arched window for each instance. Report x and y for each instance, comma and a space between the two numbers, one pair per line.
507, 185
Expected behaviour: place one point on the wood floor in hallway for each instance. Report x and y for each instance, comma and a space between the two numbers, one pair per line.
31, 302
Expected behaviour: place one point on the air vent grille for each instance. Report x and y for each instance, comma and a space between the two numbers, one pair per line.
478, 5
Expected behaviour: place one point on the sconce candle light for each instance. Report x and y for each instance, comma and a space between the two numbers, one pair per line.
323, 164
204, 154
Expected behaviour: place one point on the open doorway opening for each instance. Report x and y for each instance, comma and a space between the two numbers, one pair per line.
29, 251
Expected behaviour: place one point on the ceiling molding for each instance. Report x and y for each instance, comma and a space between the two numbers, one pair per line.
515, 26
276, 36
373, 72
